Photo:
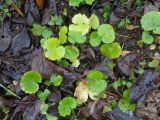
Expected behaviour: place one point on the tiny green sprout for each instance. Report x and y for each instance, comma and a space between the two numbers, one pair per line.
29, 82
147, 38
62, 34
106, 12
55, 20
43, 95
94, 21
71, 53
76, 37
56, 80
107, 33
124, 22
80, 23
66, 105
95, 39
96, 82
150, 21
125, 104
53, 50
111, 51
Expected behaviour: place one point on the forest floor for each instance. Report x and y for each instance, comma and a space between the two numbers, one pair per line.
137, 69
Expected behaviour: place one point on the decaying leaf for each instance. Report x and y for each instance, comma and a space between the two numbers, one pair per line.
39, 4
82, 92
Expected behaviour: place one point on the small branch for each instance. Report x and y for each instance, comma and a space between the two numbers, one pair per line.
9, 91
17, 9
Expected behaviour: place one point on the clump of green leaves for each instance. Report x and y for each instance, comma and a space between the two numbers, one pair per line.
39, 30
150, 22
66, 105
55, 20
43, 95
125, 104
29, 82
76, 3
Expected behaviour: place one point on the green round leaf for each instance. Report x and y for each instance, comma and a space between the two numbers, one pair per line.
97, 86
94, 21
66, 105
107, 33
76, 37
95, 39
52, 49
111, 51
71, 53
94, 75
63, 30
29, 82
80, 19
151, 21
147, 38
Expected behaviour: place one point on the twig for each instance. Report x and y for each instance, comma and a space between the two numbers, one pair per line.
17, 9
9, 91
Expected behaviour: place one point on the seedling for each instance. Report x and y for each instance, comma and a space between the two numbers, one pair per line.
106, 12
125, 103
29, 82
43, 95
